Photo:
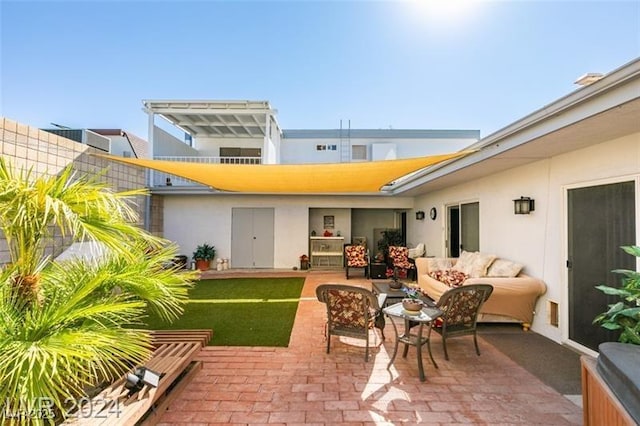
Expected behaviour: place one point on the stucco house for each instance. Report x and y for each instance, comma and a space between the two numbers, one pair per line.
578, 158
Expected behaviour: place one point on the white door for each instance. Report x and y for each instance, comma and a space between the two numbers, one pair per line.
252, 237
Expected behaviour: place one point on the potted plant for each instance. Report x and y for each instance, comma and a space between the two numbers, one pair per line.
203, 256
390, 237
304, 262
624, 316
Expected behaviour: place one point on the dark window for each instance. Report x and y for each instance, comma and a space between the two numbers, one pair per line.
233, 155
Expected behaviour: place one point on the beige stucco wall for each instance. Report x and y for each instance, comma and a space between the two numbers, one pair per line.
28, 147
190, 220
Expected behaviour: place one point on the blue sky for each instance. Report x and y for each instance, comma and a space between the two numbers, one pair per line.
379, 64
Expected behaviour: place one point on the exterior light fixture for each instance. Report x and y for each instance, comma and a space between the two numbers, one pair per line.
140, 377
419, 215
523, 205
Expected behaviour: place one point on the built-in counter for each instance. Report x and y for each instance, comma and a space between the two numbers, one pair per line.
326, 252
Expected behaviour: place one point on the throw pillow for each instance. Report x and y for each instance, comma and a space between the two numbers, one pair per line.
504, 268
449, 277
481, 264
465, 262
438, 264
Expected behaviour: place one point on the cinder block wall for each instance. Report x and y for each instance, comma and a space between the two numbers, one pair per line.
46, 153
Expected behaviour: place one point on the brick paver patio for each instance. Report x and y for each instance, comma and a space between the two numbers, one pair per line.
303, 385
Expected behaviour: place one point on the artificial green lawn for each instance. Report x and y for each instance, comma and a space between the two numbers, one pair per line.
240, 311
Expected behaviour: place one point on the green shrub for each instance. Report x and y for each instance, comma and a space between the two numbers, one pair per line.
624, 316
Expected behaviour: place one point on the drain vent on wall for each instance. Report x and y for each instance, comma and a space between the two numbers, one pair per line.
552, 309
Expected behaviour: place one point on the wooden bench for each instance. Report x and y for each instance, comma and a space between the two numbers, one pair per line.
170, 336
173, 356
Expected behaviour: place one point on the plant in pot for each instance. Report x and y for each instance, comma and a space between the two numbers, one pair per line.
390, 237
624, 316
203, 256
304, 262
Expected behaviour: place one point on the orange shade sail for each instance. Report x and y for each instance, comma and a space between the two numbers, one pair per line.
330, 178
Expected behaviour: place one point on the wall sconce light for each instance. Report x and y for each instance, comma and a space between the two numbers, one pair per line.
419, 215
524, 205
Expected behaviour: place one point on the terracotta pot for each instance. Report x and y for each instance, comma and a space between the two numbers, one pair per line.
411, 304
202, 264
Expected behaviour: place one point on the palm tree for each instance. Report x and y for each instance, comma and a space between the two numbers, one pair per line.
68, 326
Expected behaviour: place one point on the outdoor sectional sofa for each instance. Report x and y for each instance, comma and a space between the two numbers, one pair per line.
514, 293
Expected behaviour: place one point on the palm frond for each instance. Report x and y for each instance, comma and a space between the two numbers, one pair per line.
57, 350
82, 328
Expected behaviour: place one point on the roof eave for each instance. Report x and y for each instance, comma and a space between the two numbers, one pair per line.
498, 141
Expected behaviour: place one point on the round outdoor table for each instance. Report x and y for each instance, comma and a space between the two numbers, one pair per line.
425, 317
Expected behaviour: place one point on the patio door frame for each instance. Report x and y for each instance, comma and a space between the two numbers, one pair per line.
454, 213
564, 311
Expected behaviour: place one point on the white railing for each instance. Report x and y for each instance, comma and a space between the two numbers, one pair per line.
166, 179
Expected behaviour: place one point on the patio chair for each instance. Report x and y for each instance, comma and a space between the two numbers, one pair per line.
399, 257
460, 306
356, 257
351, 312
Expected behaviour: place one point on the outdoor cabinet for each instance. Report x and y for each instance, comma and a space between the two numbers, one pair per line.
378, 271
326, 252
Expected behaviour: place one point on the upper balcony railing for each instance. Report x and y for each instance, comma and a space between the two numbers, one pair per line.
166, 179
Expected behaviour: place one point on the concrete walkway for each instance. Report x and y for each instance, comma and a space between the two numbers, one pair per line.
303, 385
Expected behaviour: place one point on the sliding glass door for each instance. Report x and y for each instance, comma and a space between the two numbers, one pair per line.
463, 228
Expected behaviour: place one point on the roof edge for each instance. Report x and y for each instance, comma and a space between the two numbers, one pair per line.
619, 75
611, 81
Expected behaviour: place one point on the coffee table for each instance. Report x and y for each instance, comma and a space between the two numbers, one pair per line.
393, 295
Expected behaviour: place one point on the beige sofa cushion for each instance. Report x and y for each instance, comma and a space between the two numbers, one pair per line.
504, 268
439, 264
474, 264
481, 265
465, 262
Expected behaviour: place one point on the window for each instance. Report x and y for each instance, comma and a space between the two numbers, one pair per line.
359, 152
326, 147
232, 155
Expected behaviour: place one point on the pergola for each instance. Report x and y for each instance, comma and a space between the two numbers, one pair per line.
245, 119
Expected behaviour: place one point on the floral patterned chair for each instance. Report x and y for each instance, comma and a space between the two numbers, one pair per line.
351, 312
356, 257
460, 306
399, 257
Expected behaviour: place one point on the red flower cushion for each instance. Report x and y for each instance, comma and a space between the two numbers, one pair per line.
356, 256
450, 277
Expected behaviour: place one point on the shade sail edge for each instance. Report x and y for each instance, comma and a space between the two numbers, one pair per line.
333, 178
